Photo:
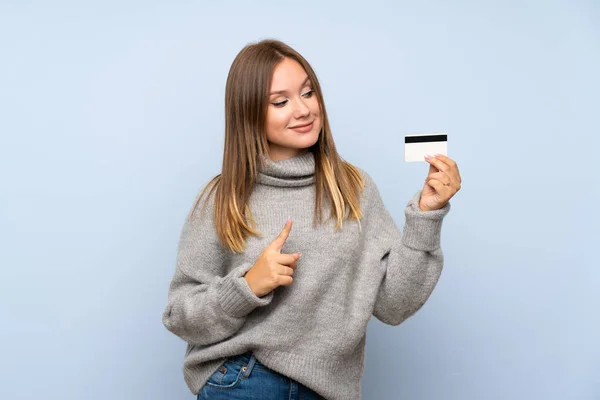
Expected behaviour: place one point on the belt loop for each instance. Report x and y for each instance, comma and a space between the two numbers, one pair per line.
248, 369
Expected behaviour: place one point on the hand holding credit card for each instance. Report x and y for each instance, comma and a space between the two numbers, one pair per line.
443, 179
417, 146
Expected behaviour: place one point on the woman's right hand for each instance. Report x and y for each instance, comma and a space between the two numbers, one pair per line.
273, 269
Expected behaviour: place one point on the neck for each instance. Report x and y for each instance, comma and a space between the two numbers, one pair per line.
293, 171
282, 153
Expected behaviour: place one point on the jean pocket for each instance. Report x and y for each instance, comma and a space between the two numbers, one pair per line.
227, 376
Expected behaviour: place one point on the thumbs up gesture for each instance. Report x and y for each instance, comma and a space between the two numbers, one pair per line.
273, 269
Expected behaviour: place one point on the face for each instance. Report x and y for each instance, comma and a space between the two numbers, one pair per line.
293, 115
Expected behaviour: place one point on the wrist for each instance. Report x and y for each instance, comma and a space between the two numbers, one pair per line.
424, 208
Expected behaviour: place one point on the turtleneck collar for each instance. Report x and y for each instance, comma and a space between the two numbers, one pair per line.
291, 172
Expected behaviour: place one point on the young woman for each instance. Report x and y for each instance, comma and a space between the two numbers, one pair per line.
271, 311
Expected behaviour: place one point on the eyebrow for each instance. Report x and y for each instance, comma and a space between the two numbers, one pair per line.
285, 91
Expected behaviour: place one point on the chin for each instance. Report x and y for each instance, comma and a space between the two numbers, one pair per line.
309, 141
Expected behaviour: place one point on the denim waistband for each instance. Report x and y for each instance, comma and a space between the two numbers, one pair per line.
244, 358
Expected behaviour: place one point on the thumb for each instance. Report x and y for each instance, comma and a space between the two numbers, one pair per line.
432, 169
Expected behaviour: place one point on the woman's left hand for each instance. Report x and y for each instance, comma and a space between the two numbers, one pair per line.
443, 181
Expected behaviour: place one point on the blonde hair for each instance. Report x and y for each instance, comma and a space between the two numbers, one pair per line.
246, 145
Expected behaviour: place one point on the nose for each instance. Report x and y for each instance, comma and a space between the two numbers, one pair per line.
301, 110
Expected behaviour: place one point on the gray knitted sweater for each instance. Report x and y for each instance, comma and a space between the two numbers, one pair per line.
314, 330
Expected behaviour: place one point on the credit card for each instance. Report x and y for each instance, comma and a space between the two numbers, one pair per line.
417, 146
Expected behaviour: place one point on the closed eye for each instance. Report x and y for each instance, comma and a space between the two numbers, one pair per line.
280, 104
306, 95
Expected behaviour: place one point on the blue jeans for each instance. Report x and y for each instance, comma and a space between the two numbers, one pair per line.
243, 377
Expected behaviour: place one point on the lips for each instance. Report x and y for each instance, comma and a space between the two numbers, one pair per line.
304, 128
301, 126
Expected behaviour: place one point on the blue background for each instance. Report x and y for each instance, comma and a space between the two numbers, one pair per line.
111, 120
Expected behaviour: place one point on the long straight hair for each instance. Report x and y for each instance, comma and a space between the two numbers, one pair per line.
246, 146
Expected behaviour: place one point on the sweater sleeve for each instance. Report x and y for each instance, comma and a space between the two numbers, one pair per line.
412, 259
207, 301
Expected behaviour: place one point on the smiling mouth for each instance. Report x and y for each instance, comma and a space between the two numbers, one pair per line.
301, 126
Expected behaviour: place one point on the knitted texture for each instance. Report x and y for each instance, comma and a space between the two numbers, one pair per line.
313, 331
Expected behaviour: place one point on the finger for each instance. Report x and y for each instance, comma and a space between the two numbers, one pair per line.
447, 160
287, 271
285, 280
437, 163
432, 169
453, 166
437, 185
440, 176
287, 259
279, 241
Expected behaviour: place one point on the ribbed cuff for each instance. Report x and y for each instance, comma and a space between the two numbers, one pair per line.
423, 229
235, 296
